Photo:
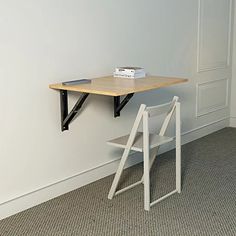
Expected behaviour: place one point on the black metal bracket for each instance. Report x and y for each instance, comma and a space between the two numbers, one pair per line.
118, 106
65, 117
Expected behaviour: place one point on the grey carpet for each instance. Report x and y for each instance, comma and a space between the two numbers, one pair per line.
206, 206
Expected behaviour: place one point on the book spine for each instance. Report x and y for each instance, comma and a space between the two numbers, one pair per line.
128, 71
140, 75
131, 74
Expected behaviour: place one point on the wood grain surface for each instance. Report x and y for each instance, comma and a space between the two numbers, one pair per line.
112, 86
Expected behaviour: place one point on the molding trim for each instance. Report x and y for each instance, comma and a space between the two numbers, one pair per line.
232, 122
216, 108
209, 124
50, 191
219, 64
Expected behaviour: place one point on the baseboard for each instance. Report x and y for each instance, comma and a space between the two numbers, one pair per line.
53, 190
232, 122
204, 130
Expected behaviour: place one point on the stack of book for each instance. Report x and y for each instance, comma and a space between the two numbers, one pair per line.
129, 72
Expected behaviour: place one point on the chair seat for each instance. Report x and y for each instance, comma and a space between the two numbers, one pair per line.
154, 140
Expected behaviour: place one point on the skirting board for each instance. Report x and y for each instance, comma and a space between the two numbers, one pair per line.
53, 190
232, 122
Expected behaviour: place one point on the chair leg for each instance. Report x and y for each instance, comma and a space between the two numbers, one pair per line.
178, 149
178, 164
146, 166
146, 177
178, 170
118, 174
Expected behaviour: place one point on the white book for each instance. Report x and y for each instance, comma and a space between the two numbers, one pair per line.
130, 74
129, 70
136, 76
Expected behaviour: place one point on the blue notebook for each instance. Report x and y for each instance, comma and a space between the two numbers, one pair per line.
75, 82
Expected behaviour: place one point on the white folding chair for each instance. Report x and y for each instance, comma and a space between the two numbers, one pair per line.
149, 145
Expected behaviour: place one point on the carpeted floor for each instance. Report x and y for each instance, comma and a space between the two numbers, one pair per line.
206, 206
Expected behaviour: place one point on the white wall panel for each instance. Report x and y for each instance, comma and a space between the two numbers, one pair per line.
214, 24
233, 84
212, 96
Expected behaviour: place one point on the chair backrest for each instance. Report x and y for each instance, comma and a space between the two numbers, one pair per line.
146, 112
168, 109
161, 109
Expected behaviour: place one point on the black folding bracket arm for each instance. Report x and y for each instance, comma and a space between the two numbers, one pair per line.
118, 106
67, 118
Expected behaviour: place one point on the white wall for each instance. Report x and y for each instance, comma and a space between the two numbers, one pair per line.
233, 85
49, 41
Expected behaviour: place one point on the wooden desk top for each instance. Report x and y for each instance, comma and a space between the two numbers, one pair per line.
111, 86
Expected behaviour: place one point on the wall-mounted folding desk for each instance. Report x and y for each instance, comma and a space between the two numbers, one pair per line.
108, 86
